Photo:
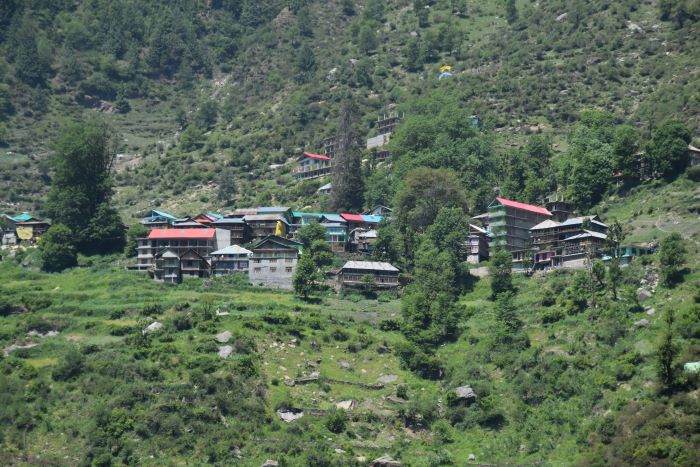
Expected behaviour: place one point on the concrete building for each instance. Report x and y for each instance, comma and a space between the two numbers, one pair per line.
167, 267
265, 225
273, 261
158, 220
313, 166
372, 274
202, 241
477, 244
240, 232
569, 243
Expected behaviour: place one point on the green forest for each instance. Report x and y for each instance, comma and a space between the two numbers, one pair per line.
112, 108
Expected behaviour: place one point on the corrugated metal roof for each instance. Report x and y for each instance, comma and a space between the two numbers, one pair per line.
548, 224
580, 220
272, 209
334, 218
265, 217
352, 217
156, 213
586, 234
370, 266
181, 233
23, 217
315, 156
188, 224
243, 212
524, 206
371, 218
232, 250
229, 220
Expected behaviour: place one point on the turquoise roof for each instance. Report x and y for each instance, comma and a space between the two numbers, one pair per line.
369, 218
23, 217
213, 214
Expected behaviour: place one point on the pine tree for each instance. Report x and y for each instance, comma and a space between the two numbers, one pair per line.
501, 272
306, 64
348, 185
511, 12
367, 39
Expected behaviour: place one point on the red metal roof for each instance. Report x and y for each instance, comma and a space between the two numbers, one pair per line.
181, 233
523, 206
352, 217
316, 156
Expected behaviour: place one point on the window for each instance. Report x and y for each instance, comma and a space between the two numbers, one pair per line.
273, 269
256, 269
288, 269
289, 260
256, 261
273, 260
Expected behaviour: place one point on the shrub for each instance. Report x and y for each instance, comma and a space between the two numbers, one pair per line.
336, 421
693, 173
71, 366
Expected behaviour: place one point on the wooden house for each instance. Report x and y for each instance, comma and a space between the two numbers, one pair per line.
569, 243
509, 225
240, 213
477, 244
229, 260
158, 220
193, 264
372, 274
240, 232
265, 225
167, 267
201, 241
273, 261
207, 218
313, 165
23, 228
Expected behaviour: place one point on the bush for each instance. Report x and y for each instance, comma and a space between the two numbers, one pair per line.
71, 367
336, 421
57, 249
693, 173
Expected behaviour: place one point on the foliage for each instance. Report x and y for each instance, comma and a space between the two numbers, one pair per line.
667, 150
309, 233
500, 270
672, 257
348, 184
133, 233
57, 249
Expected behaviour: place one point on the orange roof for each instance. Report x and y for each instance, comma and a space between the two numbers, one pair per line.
352, 217
523, 206
316, 156
156, 234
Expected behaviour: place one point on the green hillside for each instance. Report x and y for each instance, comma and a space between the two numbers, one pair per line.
245, 85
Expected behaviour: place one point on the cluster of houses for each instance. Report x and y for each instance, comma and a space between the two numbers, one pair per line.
212, 244
21, 229
542, 237
313, 165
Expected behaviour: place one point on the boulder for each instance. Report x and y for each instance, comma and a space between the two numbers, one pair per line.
270, 463
651, 311
642, 323
385, 461
225, 351
643, 295
289, 415
223, 337
349, 404
471, 457
345, 365
465, 393
561, 17
153, 327
387, 379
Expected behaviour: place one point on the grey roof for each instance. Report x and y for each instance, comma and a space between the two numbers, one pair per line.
478, 229
188, 224
229, 220
370, 266
243, 212
326, 187
587, 233
265, 217
272, 209
579, 220
334, 218
547, 224
232, 250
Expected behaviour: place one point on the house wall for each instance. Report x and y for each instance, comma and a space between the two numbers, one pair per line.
275, 273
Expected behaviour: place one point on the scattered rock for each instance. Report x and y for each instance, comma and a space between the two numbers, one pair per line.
223, 337
288, 381
11, 348
339, 451
692, 367
221, 313
642, 323
349, 404
293, 343
395, 400
270, 463
345, 365
465, 393
153, 327
386, 379
643, 295
561, 17
225, 351
289, 415
385, 461
34, 333
651, 311
472, 457
634, 27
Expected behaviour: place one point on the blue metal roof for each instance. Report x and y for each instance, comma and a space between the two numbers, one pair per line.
370, 218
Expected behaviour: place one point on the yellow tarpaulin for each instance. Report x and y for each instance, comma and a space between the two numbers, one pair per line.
25, 233
280, 230
445, 68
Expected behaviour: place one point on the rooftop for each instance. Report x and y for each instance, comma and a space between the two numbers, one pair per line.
186, 234
229, 220
370, 266
315, 156
524, 206
265, 217
352, 217
232, 250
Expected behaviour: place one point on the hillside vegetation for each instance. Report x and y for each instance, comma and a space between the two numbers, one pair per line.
206, 90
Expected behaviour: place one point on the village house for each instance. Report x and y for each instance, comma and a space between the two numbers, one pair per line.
240, 232
158, 220
23, 228
264, 225
365, 240
313, 166
240, 213
570, 243
229, 260
379, 210
325, 189
368, 274
273, 261
201, 241
627, 253
167, 267
477, 244
207, 218
385, 128
187, 223
509, 223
